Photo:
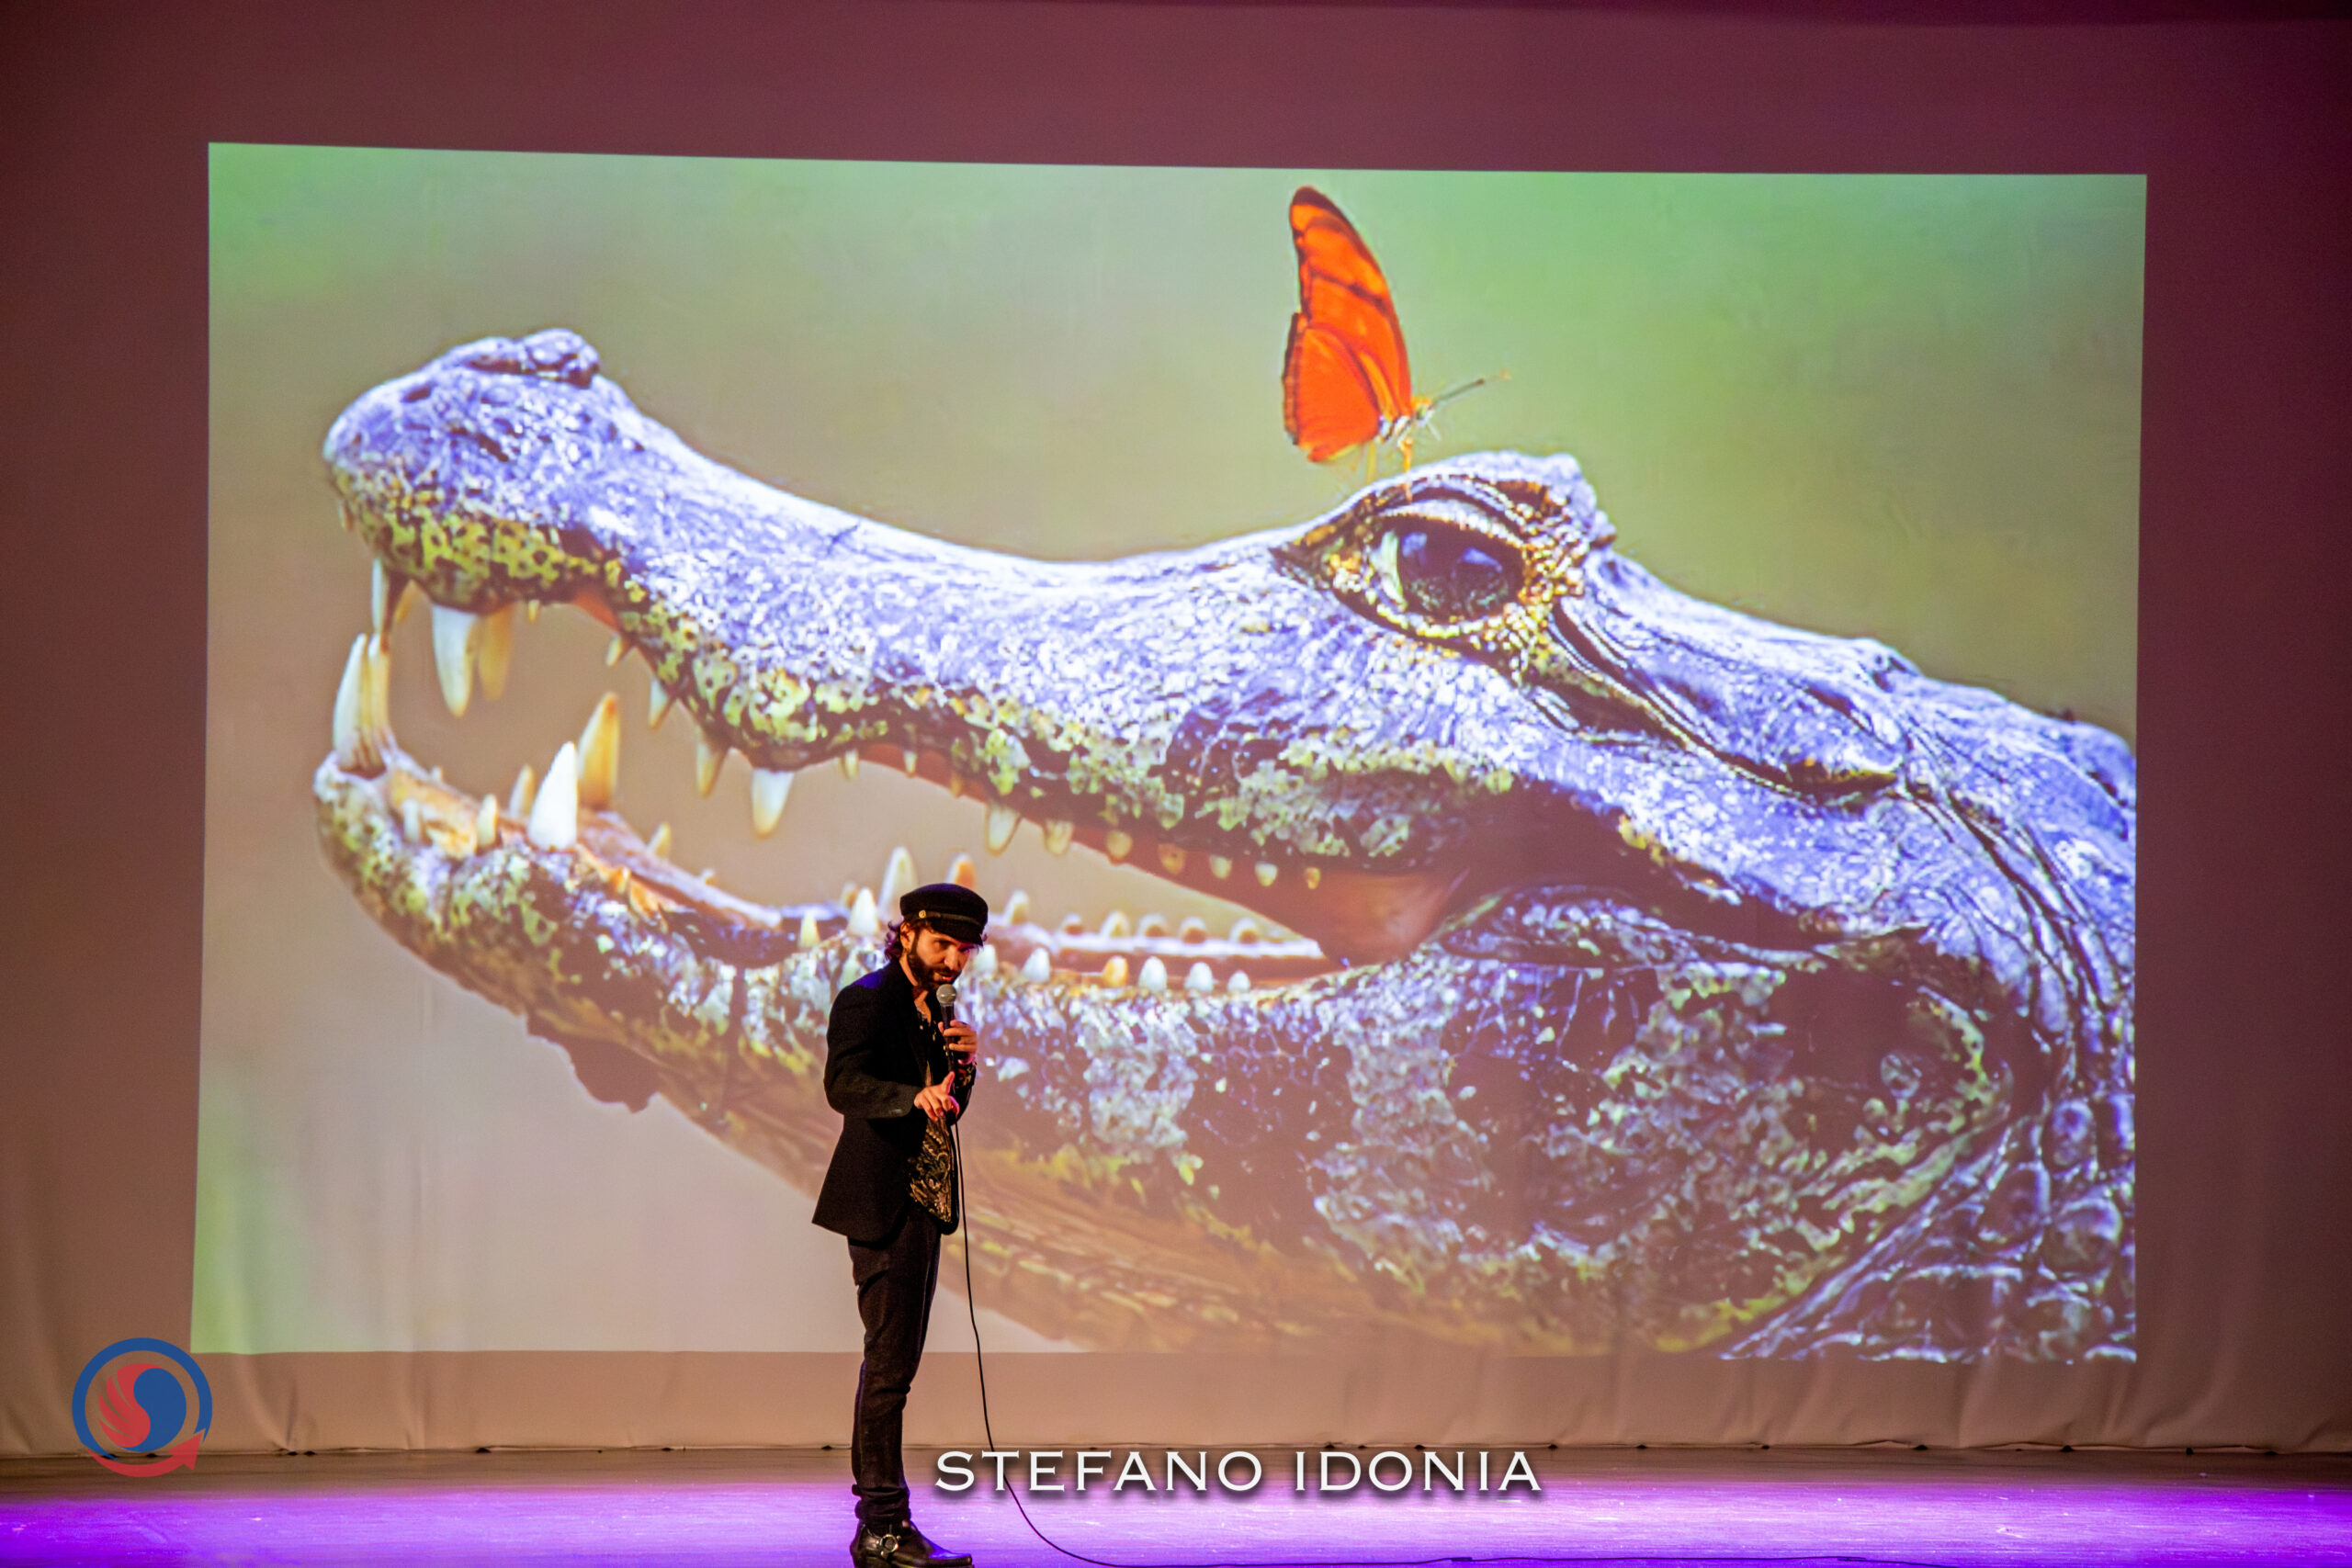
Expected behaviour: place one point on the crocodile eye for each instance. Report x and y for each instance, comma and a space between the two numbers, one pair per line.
1446, 572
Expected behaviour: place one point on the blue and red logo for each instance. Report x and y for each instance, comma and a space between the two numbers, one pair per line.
135, 1394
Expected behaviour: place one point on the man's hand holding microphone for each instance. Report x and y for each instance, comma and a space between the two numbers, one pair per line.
938, 1100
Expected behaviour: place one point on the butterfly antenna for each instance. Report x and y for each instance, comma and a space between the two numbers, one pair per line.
1453, 392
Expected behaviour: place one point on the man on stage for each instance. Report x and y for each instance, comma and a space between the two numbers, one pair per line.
900, 1076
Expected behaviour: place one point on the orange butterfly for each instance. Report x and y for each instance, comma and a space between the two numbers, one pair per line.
1346, 382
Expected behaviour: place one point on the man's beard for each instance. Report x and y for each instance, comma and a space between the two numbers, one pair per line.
925, 976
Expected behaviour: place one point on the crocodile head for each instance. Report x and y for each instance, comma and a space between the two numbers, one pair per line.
1647, 975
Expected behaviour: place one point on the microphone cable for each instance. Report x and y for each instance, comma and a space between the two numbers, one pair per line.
971, 1310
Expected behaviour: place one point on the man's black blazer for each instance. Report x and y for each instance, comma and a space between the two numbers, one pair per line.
876, 1046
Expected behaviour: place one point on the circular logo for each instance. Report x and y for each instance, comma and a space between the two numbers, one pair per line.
132, 1398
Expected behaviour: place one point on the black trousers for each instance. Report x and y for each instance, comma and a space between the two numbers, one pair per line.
895, 1281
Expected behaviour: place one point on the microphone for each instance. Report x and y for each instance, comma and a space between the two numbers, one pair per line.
943, 1013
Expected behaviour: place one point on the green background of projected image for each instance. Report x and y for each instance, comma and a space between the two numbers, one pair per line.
1901, 406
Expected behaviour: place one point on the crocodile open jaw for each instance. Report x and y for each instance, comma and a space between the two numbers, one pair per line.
1783, 964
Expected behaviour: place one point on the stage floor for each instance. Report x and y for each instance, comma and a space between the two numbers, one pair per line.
791, 1506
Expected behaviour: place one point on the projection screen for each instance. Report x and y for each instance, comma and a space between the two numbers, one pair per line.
1649, 866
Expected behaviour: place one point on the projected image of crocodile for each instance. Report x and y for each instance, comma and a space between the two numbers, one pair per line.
1645, 974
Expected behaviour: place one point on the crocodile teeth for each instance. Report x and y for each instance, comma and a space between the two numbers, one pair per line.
709, 757
1266, 873
376, 694
411, 821
616, 651
849, 764
863, 922
1116, 924
1114, 972
1245, 929
1195, 929
963, 871
810, 935
657, 705
1220, 867
1016, 908
1313, 877
496, 651
983, 963
486, 824
389, 597
1172, 859
898, 878
658, 846
531, 611
453, 632
1199, 980
769, 791
526, 790
909, 759
1003, 822
1057, 836
1118, 844
1239, 983
380, 595
1152, 925
1153, 975
600, 755
355, 749
1038, 968
956, 785
555, 815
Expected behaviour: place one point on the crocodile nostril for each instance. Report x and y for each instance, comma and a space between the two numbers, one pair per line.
556, 354
416, 391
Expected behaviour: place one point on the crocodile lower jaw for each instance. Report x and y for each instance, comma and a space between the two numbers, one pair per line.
1358, 917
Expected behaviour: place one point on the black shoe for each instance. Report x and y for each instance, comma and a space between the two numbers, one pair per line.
902, 1545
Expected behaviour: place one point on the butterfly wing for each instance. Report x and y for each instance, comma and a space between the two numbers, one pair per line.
1327, 405
1347, 350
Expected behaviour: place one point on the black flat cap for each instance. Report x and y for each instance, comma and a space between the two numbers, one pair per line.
949, 907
